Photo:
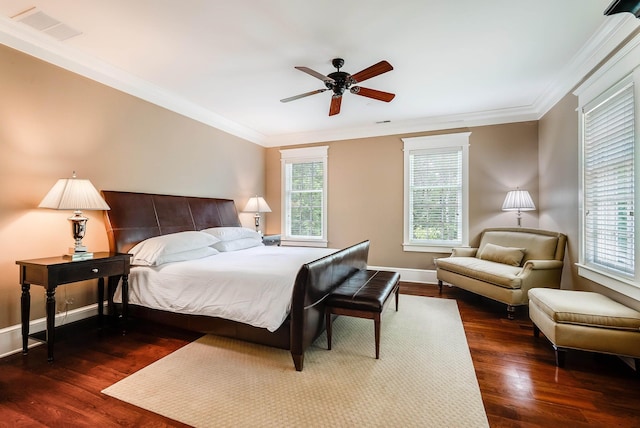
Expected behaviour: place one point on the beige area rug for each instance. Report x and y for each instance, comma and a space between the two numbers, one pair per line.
424, 377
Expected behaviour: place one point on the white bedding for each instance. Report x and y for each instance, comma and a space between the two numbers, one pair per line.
252, 286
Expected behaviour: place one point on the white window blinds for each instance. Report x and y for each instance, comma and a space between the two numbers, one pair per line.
435, 195
305, 195
609, 183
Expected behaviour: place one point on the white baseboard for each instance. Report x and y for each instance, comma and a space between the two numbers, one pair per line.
11, 337
412, 275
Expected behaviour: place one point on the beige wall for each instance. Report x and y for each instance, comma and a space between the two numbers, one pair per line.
559, 181
53, 122
558, 152
365, 187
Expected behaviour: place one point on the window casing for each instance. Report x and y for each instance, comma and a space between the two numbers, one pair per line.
609, 119
304, 196
436, 192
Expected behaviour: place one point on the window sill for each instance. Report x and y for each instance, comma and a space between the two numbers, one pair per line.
428, 248
621, 285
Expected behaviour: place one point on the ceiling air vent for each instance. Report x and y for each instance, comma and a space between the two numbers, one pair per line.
44, 23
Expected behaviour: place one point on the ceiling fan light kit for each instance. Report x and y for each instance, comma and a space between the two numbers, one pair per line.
339, 81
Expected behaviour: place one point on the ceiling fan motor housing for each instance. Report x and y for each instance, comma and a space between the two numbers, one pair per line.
341, 82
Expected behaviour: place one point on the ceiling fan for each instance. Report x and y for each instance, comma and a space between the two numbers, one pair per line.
340, 81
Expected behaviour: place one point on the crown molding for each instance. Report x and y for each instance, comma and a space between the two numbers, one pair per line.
608, 37
436, 123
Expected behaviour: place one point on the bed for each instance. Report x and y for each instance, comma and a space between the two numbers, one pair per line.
138, 218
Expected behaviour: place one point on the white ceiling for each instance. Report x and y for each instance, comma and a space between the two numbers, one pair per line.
228, 63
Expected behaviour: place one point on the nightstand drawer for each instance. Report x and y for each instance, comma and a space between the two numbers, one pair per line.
90, 269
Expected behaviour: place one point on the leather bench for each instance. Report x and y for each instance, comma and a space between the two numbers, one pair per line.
586, 321
362, 295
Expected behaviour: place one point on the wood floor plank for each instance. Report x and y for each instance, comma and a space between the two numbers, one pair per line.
519, 381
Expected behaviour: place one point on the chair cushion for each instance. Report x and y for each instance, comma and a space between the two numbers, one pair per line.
483, 270
584, 308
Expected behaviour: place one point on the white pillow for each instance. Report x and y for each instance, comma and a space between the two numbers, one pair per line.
232, 233
237, 244
150, 251
186, 255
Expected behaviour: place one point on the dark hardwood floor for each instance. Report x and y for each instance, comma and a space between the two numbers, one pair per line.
520, 384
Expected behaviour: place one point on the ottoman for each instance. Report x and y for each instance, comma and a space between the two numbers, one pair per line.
586, 321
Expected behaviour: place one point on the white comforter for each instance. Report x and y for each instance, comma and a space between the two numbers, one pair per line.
252, 286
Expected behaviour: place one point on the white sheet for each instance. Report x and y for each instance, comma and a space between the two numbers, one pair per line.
252, 286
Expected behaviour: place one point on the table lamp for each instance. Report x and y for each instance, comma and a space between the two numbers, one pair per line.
518, 200
75, 194
257, 205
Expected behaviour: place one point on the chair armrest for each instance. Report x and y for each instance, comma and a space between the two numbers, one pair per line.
464, 252
541, 273
530, 265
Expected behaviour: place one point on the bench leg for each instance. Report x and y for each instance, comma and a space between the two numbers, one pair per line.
328, 322
376, 324
397, 297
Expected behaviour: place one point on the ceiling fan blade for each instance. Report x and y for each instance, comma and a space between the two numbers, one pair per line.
306, 94
316, 74
373, 71
336, 100
372, 93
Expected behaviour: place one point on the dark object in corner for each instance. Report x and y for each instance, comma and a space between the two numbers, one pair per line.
619, 6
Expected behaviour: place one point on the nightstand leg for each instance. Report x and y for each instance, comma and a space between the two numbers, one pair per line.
25, 308
51, 322
100, 301
125, 302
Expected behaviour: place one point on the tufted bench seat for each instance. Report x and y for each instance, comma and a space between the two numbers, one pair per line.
362, 295
586, 321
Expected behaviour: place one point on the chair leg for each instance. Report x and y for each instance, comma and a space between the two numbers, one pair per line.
397, 297
511, 312
440, 285
560, 356
536, 331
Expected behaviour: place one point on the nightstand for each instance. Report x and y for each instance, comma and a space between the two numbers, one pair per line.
271, 240
52, 272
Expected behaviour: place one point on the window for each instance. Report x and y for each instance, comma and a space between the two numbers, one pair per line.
608, 193
304, 196
435, 192
608, 112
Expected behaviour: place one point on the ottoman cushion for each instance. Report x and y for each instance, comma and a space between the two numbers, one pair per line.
584, 308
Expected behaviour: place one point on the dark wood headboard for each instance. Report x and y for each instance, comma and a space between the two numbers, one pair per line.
135, 217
